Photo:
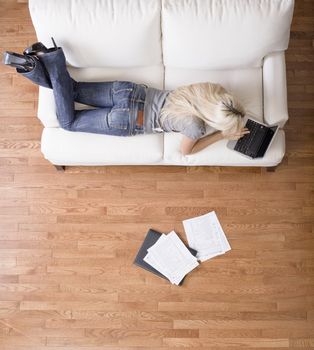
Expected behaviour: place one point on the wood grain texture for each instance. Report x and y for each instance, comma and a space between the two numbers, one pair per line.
68, 239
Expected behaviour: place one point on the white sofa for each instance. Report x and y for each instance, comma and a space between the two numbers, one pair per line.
164, 44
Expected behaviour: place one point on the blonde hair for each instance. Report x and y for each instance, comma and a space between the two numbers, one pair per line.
207, 101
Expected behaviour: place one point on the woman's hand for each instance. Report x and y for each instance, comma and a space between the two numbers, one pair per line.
237, 135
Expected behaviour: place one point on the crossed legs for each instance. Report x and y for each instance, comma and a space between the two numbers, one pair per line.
116, 106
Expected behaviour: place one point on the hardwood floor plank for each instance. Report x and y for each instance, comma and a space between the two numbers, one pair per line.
229, 342
68, 240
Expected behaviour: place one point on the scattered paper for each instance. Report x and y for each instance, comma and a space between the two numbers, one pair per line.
205, 235
171, 257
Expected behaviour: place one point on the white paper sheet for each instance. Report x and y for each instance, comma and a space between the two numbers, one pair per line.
171, 257
205, 235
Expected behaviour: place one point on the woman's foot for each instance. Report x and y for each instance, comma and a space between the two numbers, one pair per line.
32, 64
29, 67
25, 63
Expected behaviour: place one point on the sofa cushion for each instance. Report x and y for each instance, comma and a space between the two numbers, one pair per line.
151, 75
75, 148
218, 154
124, 33
224, 34
245, 84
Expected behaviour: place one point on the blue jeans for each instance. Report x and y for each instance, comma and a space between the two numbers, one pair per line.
117, 102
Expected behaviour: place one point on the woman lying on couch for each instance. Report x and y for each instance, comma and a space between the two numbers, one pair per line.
125, 108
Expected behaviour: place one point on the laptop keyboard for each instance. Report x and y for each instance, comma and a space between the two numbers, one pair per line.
250, 143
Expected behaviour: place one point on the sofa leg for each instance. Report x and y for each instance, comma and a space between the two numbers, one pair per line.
60, 167
271, 169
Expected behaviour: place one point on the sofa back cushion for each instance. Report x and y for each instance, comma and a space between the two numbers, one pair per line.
224, 34
101, 33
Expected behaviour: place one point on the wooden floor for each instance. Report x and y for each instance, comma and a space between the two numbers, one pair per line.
67, 240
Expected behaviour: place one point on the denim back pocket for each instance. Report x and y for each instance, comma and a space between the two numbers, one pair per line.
122, 92
119, 118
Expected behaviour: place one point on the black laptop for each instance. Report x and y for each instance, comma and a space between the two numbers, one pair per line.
256, 143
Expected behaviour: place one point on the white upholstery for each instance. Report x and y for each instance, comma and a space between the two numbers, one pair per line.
75, 148
245, 84
95, 33
223, 34
275, 89
164, 44
219, 154
151, 75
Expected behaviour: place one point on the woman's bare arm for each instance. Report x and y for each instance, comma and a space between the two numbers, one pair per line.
190, 146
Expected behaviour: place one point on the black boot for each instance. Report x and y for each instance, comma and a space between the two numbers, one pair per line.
28, 66
23, 62
35, 49
39, 48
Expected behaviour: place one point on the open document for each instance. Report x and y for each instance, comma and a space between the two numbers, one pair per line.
170, 257
205, 235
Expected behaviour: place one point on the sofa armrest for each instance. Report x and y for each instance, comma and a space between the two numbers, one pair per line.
275, 89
